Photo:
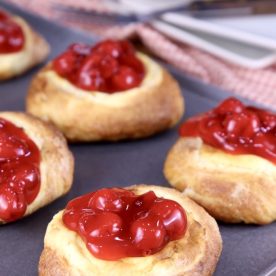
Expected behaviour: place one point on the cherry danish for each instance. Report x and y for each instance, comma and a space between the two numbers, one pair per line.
137, 230
36, 166
225, 159
108, 92
21, 47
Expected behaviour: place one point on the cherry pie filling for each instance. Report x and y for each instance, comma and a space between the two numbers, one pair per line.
109, 66
19, 171
11, 35
236, 128
116, 223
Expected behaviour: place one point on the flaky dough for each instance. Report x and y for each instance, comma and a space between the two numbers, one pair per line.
56, 165
232, 188
155, 105
196, 254
35, 50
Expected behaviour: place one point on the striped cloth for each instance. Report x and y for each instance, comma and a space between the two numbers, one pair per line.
257, 85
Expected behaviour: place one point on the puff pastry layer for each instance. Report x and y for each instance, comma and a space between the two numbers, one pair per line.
154, 106
232, 188
35, 50
56, 165
196, 253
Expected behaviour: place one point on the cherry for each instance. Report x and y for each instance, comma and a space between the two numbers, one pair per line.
108, 66
16, 37
268, 120
253, 124
266, 141
71, 219
109, 47
230, 105
111, 250
80, 202
90, 80
11, 147
12, 204
142, 204
125, 78
3, 15
127, 47
64, 63
98, 225
132, 62
26, 178
148, 233
173, 215
11, 35
94, 70
74, 209
212, 131
110, 200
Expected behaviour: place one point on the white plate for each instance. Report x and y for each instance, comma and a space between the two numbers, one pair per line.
233, 50
242, 29
152, 6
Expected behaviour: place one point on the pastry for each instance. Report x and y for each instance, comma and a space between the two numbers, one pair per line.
105, 92
20, 47
141, 230
225, 160
36, 166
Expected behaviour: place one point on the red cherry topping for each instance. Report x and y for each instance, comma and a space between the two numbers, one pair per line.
109, 66
173, 215
231, 106
64, 63
12, 204
3, 15
11, 35
110, 200
148, 233
236, 128
115, 223
98, 225
125, 78
19, 171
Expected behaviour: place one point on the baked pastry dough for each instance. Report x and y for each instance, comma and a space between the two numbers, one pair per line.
142, 111
232, 188
56, 161
35, 50
196, 253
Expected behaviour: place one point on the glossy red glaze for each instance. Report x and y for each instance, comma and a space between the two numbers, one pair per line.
19, 171
236, 128
115, 223
11, 35
109, 66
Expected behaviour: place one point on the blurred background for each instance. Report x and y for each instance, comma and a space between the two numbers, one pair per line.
228, 43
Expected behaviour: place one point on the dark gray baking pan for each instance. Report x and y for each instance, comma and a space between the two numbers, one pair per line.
248, 250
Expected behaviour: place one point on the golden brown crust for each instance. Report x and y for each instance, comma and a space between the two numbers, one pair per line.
52, 264
93, 116
232, 188
57, 163
35, 50
196, 253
